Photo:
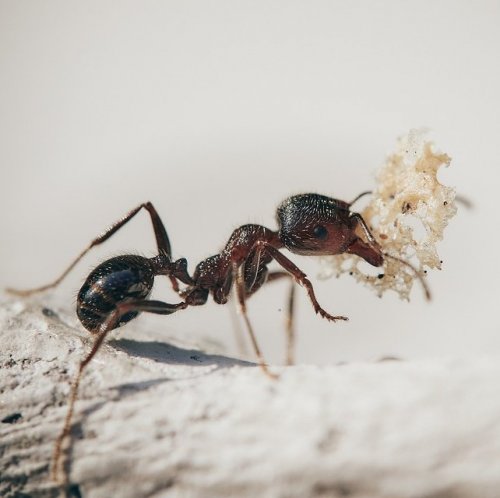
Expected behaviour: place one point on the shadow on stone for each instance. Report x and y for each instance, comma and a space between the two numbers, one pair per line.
173, 355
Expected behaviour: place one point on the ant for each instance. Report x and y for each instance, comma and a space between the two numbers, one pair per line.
117, 290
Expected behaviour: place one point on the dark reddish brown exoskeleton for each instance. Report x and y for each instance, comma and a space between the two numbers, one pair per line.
117, 290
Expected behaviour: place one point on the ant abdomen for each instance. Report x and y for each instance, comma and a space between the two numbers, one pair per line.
116, 281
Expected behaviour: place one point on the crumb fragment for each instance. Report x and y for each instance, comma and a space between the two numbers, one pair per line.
407, 214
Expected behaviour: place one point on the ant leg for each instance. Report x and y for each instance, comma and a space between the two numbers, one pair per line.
301, 278
289, 322
236, 328
240, 293
162, 242
157, 307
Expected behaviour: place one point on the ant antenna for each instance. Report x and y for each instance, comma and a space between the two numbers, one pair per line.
465, 201
427, 292
368, 192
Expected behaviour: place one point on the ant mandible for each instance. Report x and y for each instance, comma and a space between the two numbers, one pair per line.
117, 290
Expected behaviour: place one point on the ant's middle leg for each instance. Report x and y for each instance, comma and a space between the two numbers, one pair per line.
239, 282
289, 320
161, 236
157, 307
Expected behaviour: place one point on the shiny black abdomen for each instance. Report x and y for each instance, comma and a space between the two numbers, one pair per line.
115, 281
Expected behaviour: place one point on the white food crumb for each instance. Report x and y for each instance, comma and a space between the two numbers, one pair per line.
407, 214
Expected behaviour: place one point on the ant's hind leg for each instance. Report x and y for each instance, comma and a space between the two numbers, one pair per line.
240, 293
161, 236
111, 322
289, 320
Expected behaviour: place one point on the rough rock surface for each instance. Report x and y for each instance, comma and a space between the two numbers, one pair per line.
159, 420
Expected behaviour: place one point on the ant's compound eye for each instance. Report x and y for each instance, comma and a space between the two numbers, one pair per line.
320, 232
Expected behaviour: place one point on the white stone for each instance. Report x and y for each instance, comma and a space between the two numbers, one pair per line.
158, 420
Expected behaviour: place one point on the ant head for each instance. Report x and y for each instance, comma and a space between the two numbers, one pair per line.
313, 224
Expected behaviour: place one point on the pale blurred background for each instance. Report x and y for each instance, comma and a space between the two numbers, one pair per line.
217, 111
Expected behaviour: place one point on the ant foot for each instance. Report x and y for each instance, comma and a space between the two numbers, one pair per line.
329, 317
268, 373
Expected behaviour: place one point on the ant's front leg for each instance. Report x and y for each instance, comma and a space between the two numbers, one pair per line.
161, 236
289, 320
299, 276
112, 321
